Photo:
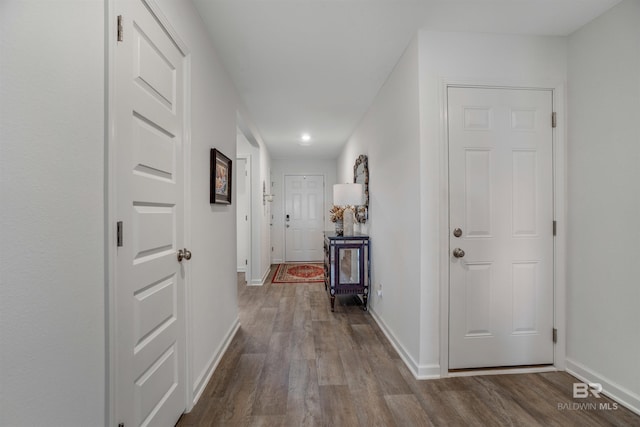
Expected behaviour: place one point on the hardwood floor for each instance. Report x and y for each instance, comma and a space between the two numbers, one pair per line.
295, 363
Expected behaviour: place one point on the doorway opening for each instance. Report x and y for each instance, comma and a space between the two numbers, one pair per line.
243, 214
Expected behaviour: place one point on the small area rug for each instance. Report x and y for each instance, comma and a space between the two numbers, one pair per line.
299, 273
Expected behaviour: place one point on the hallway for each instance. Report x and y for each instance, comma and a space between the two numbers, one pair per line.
295, 363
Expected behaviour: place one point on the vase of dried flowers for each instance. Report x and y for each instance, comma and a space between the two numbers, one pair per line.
336, 214
339, 227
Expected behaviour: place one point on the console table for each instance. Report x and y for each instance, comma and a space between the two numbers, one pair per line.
346, 266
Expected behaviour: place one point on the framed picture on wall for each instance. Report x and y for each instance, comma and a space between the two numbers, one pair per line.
220, 186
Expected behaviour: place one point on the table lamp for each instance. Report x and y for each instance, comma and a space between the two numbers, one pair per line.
348, 195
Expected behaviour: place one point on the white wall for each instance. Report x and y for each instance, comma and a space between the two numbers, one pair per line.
389, 134
52, 304
463, 58
403, 136
213, 289
52, 275
282, 167
603, 341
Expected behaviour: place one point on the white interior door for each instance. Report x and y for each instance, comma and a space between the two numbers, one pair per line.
501, 199
149, 289
304, 217
243, 212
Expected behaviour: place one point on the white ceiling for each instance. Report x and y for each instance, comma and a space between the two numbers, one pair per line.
316, 65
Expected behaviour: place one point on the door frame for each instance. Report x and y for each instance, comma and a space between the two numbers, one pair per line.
559, 172
249, 269
110, 199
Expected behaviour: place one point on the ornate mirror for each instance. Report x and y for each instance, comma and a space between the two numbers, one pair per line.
361, 176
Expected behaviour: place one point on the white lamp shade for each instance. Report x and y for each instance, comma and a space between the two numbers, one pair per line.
348, 194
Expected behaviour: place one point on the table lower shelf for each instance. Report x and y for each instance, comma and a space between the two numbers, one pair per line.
347, 290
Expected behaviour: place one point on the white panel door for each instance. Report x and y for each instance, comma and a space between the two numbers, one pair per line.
149, 290
501, 199
304, 217
243, 220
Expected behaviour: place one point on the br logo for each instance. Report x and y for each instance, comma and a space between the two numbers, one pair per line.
582, 390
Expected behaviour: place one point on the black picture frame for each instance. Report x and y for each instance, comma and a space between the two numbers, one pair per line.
221, 178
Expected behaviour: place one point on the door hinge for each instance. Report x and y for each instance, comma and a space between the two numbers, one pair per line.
246, 262
119, 233
555, 335
554, 119
120, 30
555, 227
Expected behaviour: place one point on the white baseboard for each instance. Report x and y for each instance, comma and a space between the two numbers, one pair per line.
242, 269
201, 382
261, 281
277, 261
420, 372
506, 371
625, 397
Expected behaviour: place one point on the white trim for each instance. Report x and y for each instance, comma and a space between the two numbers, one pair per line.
560, 214
420, 372
558, 91
248, 267
444, 231
623, 396
186, 161
506, 371
262, 281
110, 215
203, 379
277, 261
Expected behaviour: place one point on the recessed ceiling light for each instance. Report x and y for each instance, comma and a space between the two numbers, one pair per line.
305, 140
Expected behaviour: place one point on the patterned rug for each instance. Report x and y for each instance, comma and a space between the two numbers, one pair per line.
299, 273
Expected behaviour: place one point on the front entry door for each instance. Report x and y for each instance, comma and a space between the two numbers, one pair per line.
501, 227
304, 217
149, 284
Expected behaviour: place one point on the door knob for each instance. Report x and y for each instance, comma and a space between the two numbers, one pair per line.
184, 254
458, 253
